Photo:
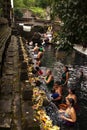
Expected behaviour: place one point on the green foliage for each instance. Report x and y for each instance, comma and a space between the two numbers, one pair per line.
29, 3
0, 11
73, 13
1, 5
19, 4
37, 6
18, 13
38, 11
42, 3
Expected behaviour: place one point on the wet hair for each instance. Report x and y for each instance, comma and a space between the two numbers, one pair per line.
81, 71
57, 82
37, 59
66, 67
72, 90
37, 68
72, 102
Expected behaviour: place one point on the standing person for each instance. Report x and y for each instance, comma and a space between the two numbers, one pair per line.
65, 76
36, 48
81, 76
49, 79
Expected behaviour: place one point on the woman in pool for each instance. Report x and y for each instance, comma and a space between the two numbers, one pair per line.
65, 76
49, 79
69, 115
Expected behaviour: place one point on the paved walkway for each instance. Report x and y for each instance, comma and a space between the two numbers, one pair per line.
80, 49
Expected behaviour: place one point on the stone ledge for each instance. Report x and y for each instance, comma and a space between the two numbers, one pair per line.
5, 121
28, 121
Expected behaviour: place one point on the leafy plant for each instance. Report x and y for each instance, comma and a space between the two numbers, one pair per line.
73, 13
38, 11
18, 13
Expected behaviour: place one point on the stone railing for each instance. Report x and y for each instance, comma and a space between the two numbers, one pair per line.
5, 33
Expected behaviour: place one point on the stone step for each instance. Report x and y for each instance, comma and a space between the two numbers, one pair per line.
5, 105
24, 76
5, 121
6, 78
24, 65
9, 63
10, 55
27, 94
28, 121
10, 72
6, 89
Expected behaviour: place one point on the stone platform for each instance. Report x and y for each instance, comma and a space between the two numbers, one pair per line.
16, 111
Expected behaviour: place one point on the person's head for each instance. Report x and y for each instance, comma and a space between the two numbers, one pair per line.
57, 84
71, 90
37, 68
70, 102
31, 43
26, 42
48, 72
36, 44
65, 68
81, 72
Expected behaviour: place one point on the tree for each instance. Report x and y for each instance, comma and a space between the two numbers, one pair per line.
29, 3
42, 3
18, 4
73, 13
18, 13
1, 7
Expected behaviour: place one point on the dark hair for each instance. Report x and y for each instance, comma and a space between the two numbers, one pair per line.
72, 102
66, 67
57, 82
37, 68
72, 90
37, 59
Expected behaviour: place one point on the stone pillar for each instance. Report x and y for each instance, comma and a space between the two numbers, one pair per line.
7, 10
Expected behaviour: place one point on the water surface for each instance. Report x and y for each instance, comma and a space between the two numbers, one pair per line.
55, 61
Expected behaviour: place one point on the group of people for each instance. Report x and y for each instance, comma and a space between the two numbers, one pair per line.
67, 105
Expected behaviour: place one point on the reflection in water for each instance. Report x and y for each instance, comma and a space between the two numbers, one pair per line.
75, 62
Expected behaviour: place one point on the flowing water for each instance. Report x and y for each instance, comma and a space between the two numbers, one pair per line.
55, 61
